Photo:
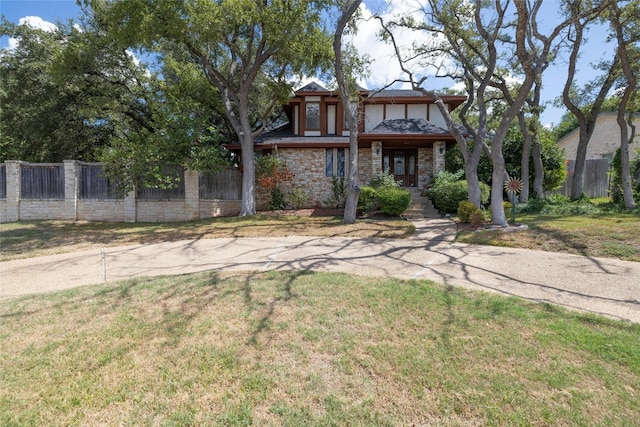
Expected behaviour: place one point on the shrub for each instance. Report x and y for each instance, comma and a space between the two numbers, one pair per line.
446, 196
297, 198
384, 179
366, 197
465, 209
393, 200
271, 172
559, 205
338, 192
477, 218
276, 200
507, 206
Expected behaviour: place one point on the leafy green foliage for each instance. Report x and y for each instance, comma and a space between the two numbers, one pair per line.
384, 179
477, 218
338, 192
616, 178
552, 160
393, 200
366, 198
297, 198
66, 93
559, 205
447, 191
465, 210
271, 173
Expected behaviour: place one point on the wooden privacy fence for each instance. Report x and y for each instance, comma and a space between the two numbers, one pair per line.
81, 191
595, 178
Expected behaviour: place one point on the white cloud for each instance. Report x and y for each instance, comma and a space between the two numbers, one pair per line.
37, 22
385, 67
33, 22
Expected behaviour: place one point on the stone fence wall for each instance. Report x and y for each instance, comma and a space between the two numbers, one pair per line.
14, 207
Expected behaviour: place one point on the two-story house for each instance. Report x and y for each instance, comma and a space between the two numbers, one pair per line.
400, 131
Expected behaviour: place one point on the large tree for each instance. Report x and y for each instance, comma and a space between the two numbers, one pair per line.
625, 26
482, 41
585, 103
65, 93
247, 50
344, 67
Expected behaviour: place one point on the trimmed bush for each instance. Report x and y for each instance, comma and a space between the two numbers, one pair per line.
366, 197
393, 200
477, 218
465, 210
446, 196
384, 179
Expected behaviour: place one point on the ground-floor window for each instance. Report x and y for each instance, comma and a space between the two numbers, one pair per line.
335, 162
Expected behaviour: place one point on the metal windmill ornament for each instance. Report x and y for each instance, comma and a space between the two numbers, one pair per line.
513, 186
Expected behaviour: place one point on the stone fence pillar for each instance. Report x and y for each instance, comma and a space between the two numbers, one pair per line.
192, 194
14, 180
71, 189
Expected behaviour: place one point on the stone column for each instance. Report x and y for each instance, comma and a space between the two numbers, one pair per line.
14, 181
376, 158
439, 150
192, 193
130, 207
71, 189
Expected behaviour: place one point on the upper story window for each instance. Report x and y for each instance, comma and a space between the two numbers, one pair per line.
313, 116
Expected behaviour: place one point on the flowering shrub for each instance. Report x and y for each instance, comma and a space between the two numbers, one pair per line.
271, 172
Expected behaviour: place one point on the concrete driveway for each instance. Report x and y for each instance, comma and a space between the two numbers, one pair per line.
598, 285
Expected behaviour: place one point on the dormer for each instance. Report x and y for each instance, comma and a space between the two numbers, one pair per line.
317, 111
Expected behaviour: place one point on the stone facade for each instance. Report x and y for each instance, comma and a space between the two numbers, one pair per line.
604, 141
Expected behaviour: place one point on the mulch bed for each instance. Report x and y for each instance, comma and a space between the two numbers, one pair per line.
305, 212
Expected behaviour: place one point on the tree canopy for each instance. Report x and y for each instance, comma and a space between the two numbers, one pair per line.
248, 50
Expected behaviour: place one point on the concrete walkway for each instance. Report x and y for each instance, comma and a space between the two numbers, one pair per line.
598, 285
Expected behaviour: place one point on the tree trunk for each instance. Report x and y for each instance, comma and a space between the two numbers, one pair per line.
248, 177
631, 87
473, 183
497, 188
351, 110
353, 189
625, 168
578, 170
524, 158
538, 167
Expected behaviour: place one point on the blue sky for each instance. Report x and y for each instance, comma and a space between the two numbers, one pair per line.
383, 70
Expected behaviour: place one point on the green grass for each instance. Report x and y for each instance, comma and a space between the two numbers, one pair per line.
611, 235
35, 238
305, 348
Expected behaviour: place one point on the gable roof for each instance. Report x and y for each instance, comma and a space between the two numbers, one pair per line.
312, 87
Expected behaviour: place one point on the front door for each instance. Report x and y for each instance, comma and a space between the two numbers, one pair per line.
402, 164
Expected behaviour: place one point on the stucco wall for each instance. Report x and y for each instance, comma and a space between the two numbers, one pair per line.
603, 143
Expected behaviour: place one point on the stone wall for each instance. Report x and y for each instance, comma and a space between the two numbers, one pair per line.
129, 209
308, 166
604, 141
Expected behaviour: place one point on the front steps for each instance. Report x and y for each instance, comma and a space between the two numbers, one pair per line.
420, 207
